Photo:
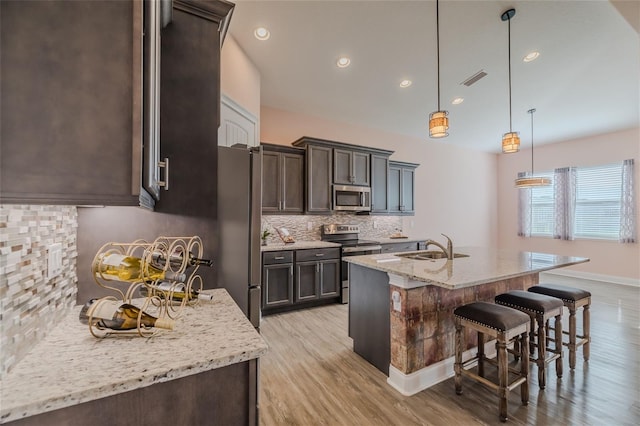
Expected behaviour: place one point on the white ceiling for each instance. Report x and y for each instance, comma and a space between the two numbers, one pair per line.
586, 80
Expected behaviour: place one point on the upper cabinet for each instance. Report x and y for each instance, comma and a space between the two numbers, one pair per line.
351, 167
401, 187
282, 180
379, 183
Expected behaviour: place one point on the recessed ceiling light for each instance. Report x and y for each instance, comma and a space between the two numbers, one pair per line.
457, 101
343, 62
261, 33
405, 83
531, 56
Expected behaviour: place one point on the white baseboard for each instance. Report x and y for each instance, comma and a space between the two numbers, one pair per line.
411, 384
595, 277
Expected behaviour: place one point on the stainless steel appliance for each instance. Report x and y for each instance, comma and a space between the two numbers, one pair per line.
239, 208
352, 198
349, 238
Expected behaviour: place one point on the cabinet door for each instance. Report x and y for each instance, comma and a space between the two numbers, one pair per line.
360, 169
379, 183
292, 183
71, 102
277, 285
342, 167
408, 194
270, 182
318, 179
395, 190
330, 278
307, 274
399, 247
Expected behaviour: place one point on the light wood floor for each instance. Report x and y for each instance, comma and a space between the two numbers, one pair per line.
311, 376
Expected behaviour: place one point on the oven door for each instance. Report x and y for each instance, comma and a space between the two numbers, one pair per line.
353, 251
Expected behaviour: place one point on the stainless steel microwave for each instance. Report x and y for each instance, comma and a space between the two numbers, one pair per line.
352, 198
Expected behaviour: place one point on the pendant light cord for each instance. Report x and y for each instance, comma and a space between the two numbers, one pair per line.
510, 120
531, 111
438, 46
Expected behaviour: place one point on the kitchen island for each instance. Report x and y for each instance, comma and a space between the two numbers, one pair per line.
202, 372
401, 309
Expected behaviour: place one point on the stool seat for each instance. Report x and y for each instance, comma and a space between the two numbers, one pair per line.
491, 315
536, 303
569, 294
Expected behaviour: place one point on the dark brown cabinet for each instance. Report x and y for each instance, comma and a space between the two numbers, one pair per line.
282, 180
402, 187
379, 183
318, 174
351, 167
277, 279
317, 274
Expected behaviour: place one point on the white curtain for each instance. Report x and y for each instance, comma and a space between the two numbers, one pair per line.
564, 187
628, 226
524, 210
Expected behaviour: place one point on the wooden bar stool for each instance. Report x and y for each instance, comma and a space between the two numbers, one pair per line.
573, 298
540, 309
505, 325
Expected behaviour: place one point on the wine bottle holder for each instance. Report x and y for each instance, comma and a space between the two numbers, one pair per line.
160, 255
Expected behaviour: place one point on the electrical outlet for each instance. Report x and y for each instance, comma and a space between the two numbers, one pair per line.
309, 226
375, 225
54, 260
412, 224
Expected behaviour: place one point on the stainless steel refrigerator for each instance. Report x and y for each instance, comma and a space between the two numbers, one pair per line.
239, 209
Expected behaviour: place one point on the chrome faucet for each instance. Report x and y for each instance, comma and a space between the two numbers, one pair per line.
448, 251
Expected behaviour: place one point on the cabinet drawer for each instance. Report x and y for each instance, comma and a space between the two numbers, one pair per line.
275, 257
396, 247
317, 254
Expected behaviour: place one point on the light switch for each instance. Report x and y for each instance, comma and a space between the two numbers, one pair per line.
395, 296
54, 260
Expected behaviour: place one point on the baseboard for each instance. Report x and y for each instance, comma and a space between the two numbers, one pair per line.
411, 384
595, 277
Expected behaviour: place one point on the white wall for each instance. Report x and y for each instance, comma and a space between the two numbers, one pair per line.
239, 77
607, 257
455, 188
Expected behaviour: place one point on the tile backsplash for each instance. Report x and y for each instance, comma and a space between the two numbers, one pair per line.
31, 303
298, 225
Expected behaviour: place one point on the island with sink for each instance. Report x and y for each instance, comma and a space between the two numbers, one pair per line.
401, 305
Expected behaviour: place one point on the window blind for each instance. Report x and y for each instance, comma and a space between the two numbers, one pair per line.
598, 197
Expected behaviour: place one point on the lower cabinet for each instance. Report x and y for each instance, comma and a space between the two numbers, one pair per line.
314, 278
399, 247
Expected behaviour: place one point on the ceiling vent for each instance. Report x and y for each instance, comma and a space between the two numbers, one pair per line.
474, 78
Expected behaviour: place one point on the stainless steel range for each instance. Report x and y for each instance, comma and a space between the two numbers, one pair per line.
348, 236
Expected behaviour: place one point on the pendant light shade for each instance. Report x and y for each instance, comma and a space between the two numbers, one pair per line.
532, 181
510, 140
438, 120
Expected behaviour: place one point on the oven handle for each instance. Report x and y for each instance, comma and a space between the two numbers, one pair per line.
360, 248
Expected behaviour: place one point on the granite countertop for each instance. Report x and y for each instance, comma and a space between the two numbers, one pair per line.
70, 366
482, 266
298, 245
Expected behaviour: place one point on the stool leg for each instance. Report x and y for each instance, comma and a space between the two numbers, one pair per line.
572, 337
481, 354
532, 337
542, 351
503, 375
524, 368
457, 367
586, 325
558, 344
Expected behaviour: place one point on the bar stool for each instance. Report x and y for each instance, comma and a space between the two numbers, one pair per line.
573, 298
500, 323
540, 309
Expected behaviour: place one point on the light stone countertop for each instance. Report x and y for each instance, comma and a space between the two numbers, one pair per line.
298, 245
482, 266
70, 366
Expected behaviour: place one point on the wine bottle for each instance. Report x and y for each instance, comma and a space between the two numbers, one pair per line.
177, 291
176, 259
114, 266
116, 315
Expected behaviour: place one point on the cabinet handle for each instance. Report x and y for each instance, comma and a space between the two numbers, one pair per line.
164, 165
278, 258
319, 254
317, 267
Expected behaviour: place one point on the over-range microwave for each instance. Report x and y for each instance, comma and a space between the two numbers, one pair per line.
352, 198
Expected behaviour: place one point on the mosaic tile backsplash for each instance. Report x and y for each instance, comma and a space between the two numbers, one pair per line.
31, 303
298, 226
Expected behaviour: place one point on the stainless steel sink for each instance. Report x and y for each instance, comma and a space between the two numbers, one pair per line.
429, 255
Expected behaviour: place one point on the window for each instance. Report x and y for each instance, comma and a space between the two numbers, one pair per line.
598, 198
542, 208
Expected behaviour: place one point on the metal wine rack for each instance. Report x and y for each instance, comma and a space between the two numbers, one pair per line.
156, 301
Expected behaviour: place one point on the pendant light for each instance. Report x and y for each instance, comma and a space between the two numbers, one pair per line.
510, 140
532, 181
438, 120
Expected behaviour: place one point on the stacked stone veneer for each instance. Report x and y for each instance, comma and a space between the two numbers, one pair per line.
297, 225
423, 332
31, 303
